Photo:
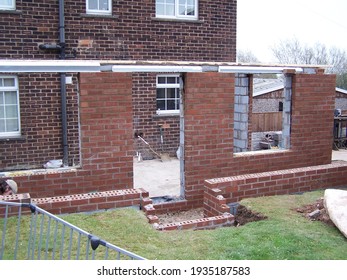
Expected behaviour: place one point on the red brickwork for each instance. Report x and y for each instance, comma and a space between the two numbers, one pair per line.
106, 142
208, 115
288, 181
91, 201
132, 32
209, 121
41, 140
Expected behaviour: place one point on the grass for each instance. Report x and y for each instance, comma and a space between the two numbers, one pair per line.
286, 234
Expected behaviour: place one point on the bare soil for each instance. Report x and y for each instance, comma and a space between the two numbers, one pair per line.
322, 215
242, 217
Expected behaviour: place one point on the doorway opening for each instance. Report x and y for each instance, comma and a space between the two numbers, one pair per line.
159, 135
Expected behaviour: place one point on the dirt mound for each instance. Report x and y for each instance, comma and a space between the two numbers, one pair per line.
244, 216
315, 212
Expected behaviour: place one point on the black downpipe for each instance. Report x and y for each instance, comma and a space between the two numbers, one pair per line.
63, 84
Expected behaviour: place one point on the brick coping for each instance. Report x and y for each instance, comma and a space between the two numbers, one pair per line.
43, 171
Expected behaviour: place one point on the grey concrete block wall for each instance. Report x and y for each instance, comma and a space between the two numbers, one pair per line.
241, 111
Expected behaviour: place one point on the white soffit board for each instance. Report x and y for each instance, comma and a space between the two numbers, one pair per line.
156, 68
54, 66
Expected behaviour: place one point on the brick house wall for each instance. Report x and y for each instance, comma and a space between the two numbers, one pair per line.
40, 109
131, 33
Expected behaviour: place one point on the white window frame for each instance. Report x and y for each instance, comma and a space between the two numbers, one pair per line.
16, 89
12, 6
176, 86
177, 15
97, 11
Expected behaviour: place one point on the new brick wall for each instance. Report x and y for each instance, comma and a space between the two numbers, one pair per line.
221, 191
106, 142
209, 130
208, 115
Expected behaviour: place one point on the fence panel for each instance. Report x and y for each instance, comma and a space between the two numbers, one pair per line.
267, 121
31, 233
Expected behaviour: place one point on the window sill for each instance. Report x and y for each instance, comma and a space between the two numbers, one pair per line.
177, 20
14, 12
12, 138
99, 16
169, 115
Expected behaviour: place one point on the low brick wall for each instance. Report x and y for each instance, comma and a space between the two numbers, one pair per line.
92, 201
220, 191
199, 224
82, 202
152, 210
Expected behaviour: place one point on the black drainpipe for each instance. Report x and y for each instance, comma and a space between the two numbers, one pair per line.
63, 84
60, 47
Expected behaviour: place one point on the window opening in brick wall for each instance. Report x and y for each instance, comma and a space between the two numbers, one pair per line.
9, 106
99, 7
7, 4
262, 113
168, 94
177, 9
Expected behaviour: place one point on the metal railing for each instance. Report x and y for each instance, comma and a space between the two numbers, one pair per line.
31, 233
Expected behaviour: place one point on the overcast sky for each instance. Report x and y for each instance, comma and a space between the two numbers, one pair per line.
263, 23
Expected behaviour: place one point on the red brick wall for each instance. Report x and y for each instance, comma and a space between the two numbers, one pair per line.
41, 132
132, 32
209, 130
208, 115
106, 142
236, 188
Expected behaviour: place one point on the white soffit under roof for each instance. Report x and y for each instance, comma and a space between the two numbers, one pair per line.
57, 66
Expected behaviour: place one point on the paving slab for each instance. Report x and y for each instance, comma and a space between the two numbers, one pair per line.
335, 202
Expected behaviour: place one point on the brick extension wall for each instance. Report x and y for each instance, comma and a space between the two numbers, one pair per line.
221, 191
209, 130
107, 135
106, 142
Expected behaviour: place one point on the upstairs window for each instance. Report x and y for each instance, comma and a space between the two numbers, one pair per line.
9, 107
179, 9
7, 4
100, 7
168, 94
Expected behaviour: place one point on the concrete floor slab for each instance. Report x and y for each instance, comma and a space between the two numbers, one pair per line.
159, 178
162, 178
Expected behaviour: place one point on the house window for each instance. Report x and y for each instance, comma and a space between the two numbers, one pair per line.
168, 94
9, 106
103, 7
180, 9
7, 4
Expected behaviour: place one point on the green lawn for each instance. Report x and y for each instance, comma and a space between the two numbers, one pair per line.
284, 235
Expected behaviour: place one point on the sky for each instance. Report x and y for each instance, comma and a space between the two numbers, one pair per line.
261, 24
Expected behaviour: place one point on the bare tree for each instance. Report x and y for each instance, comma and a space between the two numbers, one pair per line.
293, 52
246, 57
